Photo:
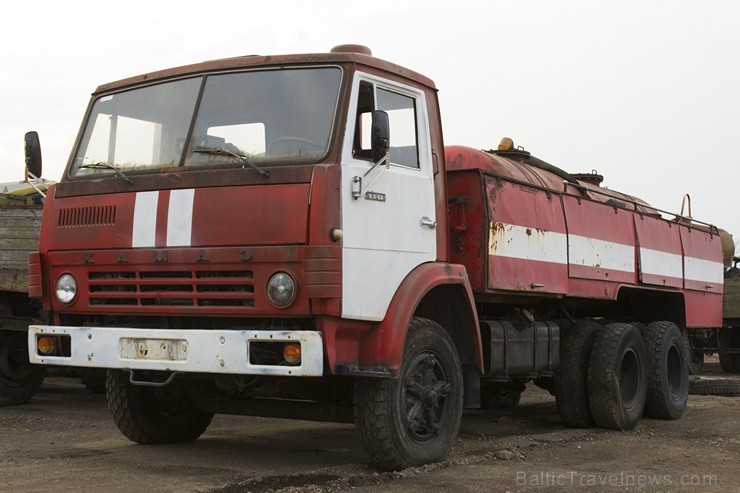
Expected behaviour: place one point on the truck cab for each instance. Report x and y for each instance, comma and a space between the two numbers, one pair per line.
254, 231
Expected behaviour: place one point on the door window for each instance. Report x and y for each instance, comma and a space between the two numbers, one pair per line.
402, 116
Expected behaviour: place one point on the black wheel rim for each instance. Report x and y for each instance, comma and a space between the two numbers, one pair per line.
629, 378
425, 391
674, 373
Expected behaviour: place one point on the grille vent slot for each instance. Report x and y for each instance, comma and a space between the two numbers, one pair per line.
172, 288
100, 215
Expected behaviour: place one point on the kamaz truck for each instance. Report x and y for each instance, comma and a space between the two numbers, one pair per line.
289, 236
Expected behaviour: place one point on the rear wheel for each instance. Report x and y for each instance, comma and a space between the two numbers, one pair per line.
617, 377
571, 385
413, 420
19, 379
668, 373
153, 414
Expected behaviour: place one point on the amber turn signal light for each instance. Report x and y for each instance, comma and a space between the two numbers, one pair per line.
292, 354
45, 345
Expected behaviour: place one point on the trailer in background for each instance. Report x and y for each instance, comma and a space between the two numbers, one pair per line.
20, 222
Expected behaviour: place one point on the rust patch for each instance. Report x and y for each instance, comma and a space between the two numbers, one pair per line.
498, 232
497, 227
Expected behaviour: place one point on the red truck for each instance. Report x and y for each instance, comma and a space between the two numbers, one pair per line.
288, 236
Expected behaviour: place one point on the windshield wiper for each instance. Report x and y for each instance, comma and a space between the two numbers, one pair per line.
111, 167
221, 150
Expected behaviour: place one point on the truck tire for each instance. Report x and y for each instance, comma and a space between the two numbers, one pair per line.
497, 396
667, 370
730, 362
19, 379
714, 386
149, 415
617, 377
413, 419
571, 385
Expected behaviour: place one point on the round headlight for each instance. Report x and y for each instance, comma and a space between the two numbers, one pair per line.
281, 290
66, 289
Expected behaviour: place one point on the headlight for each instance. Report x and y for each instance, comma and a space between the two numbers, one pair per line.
281, 290
66, 289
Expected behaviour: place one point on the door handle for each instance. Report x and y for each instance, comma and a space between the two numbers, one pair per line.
425, 221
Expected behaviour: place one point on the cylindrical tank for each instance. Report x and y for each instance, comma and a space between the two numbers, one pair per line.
728, 247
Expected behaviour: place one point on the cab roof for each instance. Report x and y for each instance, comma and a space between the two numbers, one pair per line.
269, 61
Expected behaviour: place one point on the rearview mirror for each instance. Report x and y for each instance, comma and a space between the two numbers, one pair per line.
33, 154
380, 135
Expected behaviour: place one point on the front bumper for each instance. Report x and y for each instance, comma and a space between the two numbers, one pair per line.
196, 351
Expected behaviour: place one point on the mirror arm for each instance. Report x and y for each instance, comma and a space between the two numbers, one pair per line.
385, 159
357, 189
33, 182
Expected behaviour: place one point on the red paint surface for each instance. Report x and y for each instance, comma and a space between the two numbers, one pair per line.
255, 215
34, 275
163, 204
663, 236
222, 216
342, 339
468, 231
703, 309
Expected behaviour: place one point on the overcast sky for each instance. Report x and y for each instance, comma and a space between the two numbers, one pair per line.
645, 92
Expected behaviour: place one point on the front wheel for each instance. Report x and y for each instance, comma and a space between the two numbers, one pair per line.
150, 415
413, 420
19, 379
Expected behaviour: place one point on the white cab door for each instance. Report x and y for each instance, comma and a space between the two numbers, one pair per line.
390, 228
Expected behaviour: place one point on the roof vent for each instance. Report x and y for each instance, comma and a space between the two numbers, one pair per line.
362, 50
592, 178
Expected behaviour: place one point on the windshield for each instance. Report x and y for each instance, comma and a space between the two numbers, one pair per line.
258, 118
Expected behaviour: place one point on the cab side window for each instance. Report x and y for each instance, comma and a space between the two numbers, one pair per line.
401, 111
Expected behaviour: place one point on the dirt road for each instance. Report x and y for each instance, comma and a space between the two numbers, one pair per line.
64, 440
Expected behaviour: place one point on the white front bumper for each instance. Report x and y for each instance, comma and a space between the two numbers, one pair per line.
200, 351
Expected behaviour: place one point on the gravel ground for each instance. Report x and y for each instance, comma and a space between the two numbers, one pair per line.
64, 440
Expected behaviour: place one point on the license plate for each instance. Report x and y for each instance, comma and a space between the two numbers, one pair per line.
154, 349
